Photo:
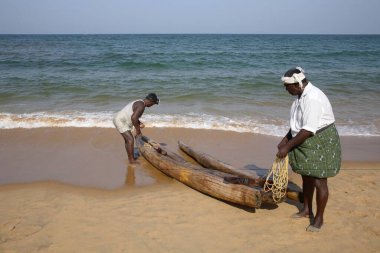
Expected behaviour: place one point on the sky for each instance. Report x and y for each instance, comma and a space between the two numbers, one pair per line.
189, 16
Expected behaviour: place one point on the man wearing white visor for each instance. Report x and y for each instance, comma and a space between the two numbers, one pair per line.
312, 143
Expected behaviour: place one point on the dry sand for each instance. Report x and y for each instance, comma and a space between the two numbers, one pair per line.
70, 190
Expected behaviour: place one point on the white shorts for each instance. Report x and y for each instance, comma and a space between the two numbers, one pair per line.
122, 124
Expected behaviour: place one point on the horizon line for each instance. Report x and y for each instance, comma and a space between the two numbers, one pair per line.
189, 33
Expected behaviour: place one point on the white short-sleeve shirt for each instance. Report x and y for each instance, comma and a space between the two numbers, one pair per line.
312, 111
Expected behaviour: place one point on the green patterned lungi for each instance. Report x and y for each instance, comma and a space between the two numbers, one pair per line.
318, 156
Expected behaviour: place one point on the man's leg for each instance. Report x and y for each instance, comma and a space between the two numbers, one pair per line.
322, 197
129, 145
308, 192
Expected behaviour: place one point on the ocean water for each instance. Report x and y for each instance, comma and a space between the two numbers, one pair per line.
226, 82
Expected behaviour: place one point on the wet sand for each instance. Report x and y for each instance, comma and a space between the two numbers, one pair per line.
71, 190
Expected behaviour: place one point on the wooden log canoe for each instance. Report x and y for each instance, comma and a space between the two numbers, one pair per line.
208, 181
210, 162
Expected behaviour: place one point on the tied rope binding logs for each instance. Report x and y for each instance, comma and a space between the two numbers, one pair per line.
279, 174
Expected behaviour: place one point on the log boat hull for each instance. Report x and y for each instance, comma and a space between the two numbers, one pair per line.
207, 181
208, 161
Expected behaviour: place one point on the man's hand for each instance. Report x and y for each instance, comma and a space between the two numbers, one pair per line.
283, 148
282, 151
282, 143
142, 125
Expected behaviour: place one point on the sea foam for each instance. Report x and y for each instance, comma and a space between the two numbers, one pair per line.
191, 120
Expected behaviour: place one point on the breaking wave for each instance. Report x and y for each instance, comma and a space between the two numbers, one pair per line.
191, 120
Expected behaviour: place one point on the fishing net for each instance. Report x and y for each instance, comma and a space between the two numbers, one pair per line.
279, 182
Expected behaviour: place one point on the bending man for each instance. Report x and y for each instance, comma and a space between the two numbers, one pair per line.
129, 117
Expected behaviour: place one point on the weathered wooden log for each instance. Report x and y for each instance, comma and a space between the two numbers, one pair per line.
208, 181
210, 162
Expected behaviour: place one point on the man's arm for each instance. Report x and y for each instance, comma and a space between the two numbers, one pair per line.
285, 140
293, 142
138, 110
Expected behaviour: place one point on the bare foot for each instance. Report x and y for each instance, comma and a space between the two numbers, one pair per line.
302, 214
312, 228
318, 222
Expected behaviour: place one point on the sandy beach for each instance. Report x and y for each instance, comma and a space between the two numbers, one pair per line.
71, 190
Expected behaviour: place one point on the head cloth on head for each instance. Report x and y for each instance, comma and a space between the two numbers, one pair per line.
295, 78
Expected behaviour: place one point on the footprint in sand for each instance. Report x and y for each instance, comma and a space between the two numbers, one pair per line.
17, 229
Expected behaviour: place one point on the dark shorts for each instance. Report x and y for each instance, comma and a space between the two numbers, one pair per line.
318, 156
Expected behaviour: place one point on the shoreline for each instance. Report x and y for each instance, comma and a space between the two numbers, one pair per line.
262, 125
96, 157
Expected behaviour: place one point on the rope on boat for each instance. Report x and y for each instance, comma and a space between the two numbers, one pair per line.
279, 174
